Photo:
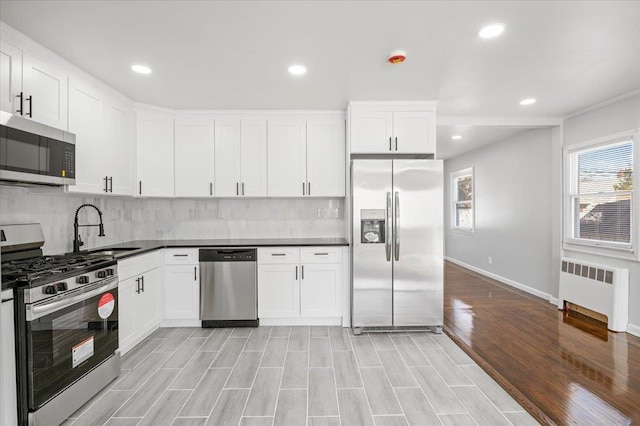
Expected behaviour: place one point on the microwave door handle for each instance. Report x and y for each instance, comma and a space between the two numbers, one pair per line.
387, 239
41, 310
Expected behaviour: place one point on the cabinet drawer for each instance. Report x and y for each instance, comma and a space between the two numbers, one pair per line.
278, 255
133, 266
180, 256
321, 255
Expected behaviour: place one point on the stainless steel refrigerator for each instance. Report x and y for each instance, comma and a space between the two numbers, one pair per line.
397, 244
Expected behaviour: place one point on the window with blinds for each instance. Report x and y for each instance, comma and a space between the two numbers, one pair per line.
462, 197
602, 193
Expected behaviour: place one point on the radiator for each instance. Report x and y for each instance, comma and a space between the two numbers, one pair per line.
600, 288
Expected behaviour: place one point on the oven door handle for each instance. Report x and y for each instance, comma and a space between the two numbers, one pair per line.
38, 311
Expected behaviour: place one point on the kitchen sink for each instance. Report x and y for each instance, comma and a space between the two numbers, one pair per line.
112, 251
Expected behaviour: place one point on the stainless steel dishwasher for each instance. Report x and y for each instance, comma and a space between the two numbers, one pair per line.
228, 287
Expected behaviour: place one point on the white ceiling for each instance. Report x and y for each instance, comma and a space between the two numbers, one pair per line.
234, 54
473, 137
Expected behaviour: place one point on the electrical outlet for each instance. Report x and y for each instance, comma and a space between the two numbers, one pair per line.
490, 260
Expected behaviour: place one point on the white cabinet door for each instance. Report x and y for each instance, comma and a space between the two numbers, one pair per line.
253, 158
278, 291
47, 85
127, 297
414, 132
181, 292
321, 290
117, 148
325, 158
371, 131
85, 120
194, 157
10, 76
227, 158
287, 158
148, 302
155, 154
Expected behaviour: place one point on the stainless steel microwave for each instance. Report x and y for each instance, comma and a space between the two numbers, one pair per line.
34, 153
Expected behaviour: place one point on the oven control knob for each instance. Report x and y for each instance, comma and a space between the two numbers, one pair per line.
50, 289
109, 272
101, 274
82, 279
62, 286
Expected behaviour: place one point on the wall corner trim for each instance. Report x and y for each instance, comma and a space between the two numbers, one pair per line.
520, 286
633, 329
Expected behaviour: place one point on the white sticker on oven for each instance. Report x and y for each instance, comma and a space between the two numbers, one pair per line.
82, 351
105, 305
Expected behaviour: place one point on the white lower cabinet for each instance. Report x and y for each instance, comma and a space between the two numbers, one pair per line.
300, 285
139, 293
181, 297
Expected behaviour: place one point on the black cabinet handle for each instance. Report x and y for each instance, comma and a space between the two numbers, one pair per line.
142, 280
321, 254
242, 188
106, 186
110, 183
138, 285
210, 188
303, 189
389, 143
278, 254
303, 272
30, 100
139, 187
396, 143
180, 255
195, 273
308, 188
237, 191
21, 97
296, 273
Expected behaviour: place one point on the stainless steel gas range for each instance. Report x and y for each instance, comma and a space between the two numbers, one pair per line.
66, 317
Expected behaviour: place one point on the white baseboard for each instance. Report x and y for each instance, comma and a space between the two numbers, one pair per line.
554, 301
181, 323
520, 286
633, 329
301, 321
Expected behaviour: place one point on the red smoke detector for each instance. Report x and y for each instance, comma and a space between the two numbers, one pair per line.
397, 57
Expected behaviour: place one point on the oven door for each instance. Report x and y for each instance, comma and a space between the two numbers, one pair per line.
68, 337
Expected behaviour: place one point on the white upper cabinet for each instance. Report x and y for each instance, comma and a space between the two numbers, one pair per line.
241, 157
194, 155
325, 158
394, 128
287, 156
117, 147
10, 75
154, 153
103, 140
33, 88
306, 157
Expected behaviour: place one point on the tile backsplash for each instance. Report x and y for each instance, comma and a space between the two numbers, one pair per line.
128, 219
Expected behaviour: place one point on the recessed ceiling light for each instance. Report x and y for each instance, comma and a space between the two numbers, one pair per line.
456, 137
527, 101
491, 31
141, 69
297, 69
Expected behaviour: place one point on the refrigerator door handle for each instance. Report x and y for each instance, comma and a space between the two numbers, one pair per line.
387, 242
396, 224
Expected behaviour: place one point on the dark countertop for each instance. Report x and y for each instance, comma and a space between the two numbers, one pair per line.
143, 246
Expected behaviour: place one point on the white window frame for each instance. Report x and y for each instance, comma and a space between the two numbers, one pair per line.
454, 200
570, 189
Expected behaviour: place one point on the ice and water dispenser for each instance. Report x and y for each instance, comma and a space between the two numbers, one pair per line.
372, 226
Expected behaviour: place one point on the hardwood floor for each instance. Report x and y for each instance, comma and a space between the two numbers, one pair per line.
562, 368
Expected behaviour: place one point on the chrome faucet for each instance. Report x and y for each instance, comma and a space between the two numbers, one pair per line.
77, 242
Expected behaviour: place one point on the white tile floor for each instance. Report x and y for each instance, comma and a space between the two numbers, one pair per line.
298, 376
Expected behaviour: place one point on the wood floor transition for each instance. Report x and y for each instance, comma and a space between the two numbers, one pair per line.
564, 369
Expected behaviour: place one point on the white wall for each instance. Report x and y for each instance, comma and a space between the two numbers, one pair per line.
613, 118
513, 211
127, 219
